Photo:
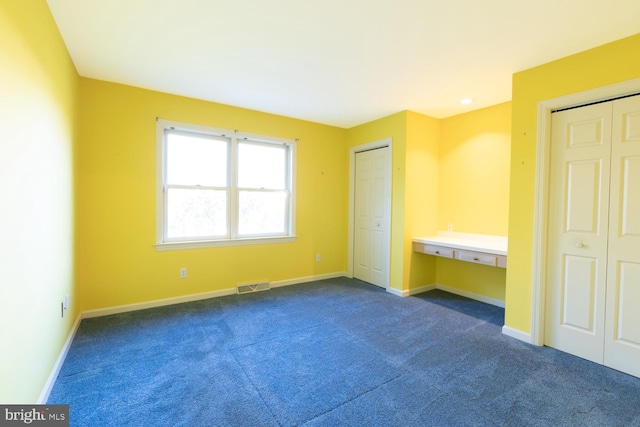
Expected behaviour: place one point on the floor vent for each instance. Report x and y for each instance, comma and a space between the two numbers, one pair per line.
253, 287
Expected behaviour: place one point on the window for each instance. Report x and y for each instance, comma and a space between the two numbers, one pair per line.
218, 187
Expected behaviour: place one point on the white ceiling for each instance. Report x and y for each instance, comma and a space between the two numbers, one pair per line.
338, 62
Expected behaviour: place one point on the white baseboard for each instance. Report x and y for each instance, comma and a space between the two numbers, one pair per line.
412, 291
156, 303
51, 380
201, 296
397, 292
307, 279
517, 334
471, 295
451, 290
421, 289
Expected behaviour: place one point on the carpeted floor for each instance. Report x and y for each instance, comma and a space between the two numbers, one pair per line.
330, 353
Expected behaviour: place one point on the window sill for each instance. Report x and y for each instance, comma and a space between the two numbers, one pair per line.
197, 244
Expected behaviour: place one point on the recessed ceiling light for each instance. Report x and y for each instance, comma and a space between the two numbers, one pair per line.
466, 101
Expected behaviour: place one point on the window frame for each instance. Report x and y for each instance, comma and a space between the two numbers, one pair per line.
234, 137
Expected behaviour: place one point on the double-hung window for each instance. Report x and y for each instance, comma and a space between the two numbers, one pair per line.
218, 187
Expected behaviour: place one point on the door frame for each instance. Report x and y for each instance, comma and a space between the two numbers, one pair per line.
541, 192
351, 228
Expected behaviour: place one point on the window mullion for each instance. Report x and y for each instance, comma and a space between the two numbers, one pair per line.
232, 220
165, 201
289, 187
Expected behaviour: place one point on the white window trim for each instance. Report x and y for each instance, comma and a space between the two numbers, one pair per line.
161, 244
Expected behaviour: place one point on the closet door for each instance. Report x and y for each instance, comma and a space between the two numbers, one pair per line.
622, 344
578, 231
372, 210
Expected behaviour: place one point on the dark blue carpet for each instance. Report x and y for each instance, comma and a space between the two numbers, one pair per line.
330, 353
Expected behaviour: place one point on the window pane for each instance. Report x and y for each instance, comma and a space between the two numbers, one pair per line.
262, 212
262, 166
196, 160
195, 213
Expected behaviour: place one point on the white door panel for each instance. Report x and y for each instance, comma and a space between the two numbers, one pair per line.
362, 240
622, 344
626, 314
372, 212
630, 202
588, 131
379, 210
577, 233
583, 201
578, 289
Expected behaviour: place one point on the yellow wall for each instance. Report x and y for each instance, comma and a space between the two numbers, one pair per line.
478, 279
421, 196
473, 191
38, 86
116, 259
612, 63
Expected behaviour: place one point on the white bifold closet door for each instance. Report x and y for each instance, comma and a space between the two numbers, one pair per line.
593, 242
372, 210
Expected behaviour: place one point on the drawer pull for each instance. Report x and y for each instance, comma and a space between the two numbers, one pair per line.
435, 250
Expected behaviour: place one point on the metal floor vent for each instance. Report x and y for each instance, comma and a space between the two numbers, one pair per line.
253, 287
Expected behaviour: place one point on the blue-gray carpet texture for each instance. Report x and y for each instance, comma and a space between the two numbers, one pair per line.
335, 352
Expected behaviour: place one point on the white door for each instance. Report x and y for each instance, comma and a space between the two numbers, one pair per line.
622, 343
593, 243
577, 234
371, 216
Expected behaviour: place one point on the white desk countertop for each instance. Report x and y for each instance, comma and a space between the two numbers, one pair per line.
496, 245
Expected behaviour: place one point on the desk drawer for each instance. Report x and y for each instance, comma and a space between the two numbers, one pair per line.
433, 250
478, 258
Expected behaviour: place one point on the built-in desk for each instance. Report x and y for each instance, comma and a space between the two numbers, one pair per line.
476, 248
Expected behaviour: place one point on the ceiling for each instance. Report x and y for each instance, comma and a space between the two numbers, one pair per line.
337, 62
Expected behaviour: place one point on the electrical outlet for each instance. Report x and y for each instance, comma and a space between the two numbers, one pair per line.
183, 273
318, 257
450, 227
64, 305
